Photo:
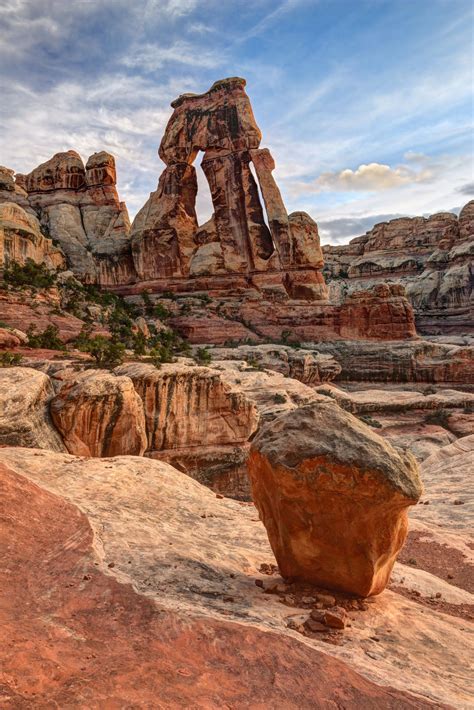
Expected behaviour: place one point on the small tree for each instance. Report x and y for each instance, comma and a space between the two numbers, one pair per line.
48, 339
202, 356
106, 353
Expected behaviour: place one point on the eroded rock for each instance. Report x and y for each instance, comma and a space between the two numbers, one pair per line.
100, 414
333, 496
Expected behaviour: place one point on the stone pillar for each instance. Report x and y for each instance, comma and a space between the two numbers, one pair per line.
245, 239
163, 231
276, 211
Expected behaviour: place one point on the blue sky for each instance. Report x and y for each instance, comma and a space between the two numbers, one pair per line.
366, 105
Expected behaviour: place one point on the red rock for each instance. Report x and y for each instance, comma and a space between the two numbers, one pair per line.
335, 507
336, 618
99, 414
48, 662
432, 257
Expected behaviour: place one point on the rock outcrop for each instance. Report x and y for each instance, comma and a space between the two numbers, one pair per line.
432, 257
25, 308
79, 208
409, 361
196, 558
196, 421
333, 497
92, 555
100, 414
25, 395
284, 254
21, 238
307, 366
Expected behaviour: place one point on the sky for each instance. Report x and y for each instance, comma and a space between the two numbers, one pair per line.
366, 105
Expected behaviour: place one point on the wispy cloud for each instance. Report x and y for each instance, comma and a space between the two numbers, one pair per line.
151, 57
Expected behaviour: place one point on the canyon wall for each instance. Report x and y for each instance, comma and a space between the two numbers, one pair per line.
432, 257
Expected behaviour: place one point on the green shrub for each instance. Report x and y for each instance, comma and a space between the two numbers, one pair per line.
160, 311
139, 344
49, 339
161, 354
8, 359
440, 417
30, 274
202, 356
106, 352
279, 398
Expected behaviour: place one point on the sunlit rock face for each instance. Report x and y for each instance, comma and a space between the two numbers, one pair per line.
432, 257
21, 238
335, 507
79, 208
165, 236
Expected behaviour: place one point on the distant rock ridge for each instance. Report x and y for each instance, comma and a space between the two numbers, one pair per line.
431, 256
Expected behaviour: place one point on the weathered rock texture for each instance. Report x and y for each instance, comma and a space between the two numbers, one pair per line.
24, 409
100, 414
284, 255
304, 365
21, 238
196, 421
79, 208
333, 497
432, 257
414, 361
91, 557
38, 308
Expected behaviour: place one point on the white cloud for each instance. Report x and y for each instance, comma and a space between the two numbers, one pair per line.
374, 176
150, 57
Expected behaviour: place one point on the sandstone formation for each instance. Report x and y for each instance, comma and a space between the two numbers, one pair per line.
170, 575
334, 505
197, 422
432, 257
21, 239
284, 255
79, 208
24, 409
306, 366
39, 309
409, 361
99, 414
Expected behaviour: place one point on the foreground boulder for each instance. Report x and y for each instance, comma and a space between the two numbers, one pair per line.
24, 417
333, 497
99, 414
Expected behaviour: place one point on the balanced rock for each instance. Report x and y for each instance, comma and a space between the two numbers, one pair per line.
333, 497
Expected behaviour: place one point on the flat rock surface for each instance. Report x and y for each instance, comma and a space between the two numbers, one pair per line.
179, 546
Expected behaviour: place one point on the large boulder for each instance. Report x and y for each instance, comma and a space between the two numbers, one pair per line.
99, 414
333, 497
24, 409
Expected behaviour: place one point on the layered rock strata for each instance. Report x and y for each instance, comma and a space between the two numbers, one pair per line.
151, 559
433, 257
100, 414
25, 420
334, 506
79, 208
284, 253
21, 238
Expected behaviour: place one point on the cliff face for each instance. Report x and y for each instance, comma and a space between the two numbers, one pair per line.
78, 208
432, 257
